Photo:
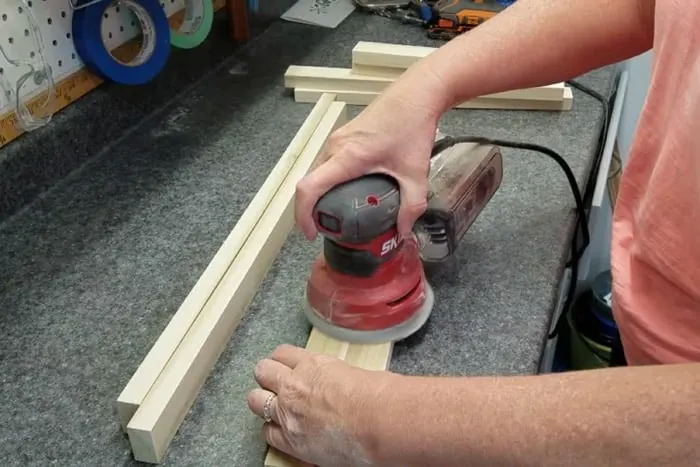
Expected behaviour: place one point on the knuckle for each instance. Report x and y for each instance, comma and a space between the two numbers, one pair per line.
335, 138
417, 206
302, 187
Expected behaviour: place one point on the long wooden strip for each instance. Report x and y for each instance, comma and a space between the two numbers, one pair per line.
154, 425
345, 79
375, 357
133, 394
365, 98
298, 76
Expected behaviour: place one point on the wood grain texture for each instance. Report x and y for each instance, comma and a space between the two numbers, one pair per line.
154, 362
365, 98
155, 423
352, 80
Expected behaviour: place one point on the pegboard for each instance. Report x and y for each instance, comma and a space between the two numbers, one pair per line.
54, 19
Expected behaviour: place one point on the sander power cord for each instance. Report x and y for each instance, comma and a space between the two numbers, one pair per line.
582, 218
449, 141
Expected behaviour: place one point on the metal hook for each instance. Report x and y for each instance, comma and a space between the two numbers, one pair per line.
80, 6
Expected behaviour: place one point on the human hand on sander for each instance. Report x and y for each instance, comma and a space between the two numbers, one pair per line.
394, 136
322, 411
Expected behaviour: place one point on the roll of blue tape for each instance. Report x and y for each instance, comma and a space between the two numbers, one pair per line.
155, 49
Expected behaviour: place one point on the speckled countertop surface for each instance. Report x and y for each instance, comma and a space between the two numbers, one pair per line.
92, 271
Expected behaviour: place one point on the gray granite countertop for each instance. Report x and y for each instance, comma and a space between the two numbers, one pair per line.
91, 273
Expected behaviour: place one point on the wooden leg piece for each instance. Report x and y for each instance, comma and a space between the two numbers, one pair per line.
499, 103
153, 426
144, 378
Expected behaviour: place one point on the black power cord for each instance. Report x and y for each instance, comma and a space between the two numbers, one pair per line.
581, 226
449, 141
582, 218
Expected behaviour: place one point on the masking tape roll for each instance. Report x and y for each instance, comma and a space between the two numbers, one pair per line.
155, 49
199, 16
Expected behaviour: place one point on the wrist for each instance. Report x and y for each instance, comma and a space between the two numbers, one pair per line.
424, 88
393, 423
380, 425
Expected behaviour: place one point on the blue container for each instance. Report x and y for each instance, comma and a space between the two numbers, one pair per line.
601, 305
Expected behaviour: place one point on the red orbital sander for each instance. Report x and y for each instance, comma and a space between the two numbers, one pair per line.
368, 285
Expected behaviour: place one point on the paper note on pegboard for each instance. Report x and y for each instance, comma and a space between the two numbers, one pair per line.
324, 13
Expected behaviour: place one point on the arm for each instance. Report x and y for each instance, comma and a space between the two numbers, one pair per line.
641, 416
531, 43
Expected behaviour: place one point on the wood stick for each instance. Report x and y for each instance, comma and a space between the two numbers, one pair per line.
142, 381
381, 71
364, 98
346, 80
155, 423
382, 54
375, 357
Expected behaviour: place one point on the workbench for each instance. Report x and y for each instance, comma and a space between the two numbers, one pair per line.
91, 272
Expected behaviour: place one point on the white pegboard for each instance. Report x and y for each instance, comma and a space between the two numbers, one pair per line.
54, 19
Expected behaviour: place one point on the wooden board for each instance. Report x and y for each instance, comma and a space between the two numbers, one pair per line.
140, 384
375, 357
155, 423
382, 54
364, 98
346, 80
343, 79
77, 85
381, 71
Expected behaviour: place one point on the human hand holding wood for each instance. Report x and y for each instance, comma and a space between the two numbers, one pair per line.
319, 408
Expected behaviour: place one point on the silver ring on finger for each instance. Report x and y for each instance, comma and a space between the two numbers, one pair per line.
267, 408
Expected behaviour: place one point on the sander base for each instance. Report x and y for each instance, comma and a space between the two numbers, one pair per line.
379, 336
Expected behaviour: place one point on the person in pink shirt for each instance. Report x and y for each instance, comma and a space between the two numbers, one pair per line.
645, 413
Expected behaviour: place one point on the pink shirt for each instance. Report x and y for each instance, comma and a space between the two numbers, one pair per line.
656, 227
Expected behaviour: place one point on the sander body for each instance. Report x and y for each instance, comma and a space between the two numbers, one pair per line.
369, 285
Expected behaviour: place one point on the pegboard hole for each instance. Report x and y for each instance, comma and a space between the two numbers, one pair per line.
60, 63
4, 16
11, 40
49, 21
29, 4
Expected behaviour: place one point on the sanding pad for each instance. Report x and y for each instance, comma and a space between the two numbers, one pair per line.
392, 334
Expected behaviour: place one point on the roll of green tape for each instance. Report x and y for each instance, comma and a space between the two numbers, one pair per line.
199, 16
